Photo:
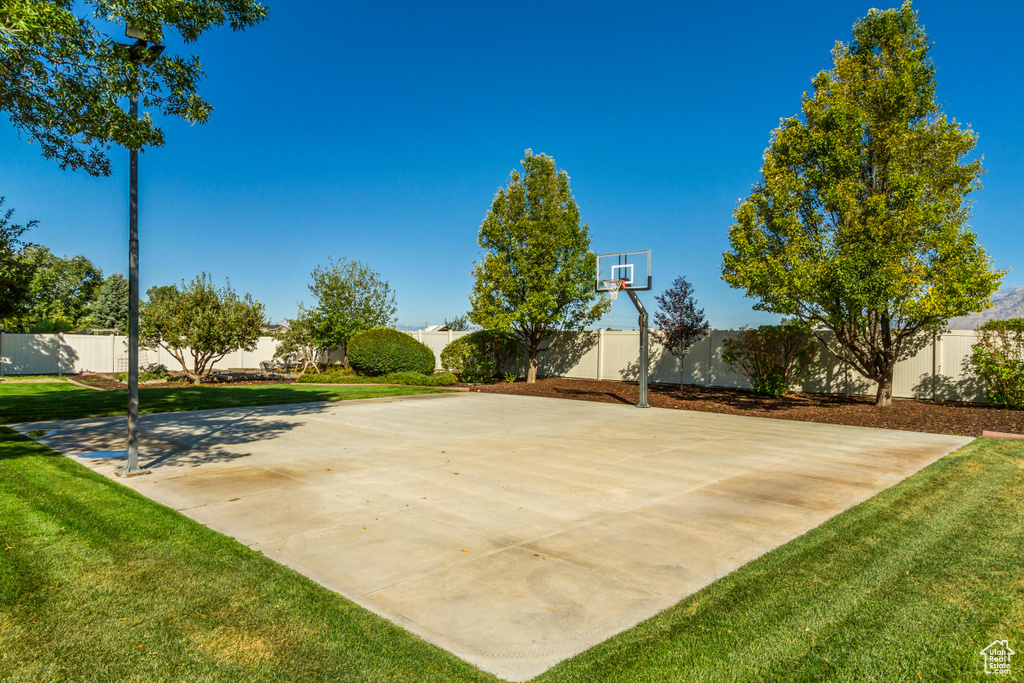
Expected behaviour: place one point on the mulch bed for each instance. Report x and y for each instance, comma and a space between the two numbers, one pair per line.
937, 417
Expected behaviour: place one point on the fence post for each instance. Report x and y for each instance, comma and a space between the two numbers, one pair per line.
711, 347
600, 353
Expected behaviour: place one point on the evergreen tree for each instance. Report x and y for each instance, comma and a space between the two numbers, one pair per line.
110, 309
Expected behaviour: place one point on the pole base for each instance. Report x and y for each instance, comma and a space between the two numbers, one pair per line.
125, 472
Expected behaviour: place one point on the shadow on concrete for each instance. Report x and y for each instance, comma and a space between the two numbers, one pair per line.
204, 437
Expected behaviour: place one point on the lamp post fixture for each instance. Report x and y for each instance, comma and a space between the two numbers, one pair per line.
139, 52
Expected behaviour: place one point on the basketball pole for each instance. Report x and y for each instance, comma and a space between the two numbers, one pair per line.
643, 348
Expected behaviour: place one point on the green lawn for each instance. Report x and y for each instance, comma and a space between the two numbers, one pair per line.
98, 583
58, 401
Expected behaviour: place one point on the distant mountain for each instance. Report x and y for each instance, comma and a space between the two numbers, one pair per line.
1006, 303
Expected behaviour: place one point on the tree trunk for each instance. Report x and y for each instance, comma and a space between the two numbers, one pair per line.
531, 374
884, 396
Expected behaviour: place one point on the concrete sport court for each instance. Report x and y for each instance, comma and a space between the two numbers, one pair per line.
512, 531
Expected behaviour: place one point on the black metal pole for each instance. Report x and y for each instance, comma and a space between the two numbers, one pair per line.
643, 348
132, 468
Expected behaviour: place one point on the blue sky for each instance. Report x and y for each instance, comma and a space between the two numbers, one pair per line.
381, 132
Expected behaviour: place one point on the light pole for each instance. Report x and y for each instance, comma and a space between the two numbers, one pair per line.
140, 53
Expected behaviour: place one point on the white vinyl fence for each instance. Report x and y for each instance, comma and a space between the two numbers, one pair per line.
66, 354
937, 371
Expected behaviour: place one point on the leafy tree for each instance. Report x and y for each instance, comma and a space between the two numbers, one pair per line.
772, 357
200, 323
998, 358
350, 298
15, 272
859, 221
62, 80
679, 324
60, 292
459, 323
157, 292
110, 309
299, 341
536, 275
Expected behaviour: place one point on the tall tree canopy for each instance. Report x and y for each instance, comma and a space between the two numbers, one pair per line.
62, 78
350, 298
15, 271
61, 291
536, 276
859, 222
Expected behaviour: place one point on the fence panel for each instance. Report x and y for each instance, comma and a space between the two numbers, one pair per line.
938, 370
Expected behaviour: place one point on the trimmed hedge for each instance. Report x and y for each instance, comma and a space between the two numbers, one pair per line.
477, 357
384, 351
416, 379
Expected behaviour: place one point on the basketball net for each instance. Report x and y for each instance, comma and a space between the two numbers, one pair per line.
614, 287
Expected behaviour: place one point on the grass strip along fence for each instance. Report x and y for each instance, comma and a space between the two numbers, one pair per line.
99, 583
29, 402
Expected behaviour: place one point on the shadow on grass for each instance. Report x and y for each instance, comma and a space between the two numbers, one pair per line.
37, 402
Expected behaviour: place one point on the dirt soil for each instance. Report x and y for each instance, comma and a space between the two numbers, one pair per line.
937, 417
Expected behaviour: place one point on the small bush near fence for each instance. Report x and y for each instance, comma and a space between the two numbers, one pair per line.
148, 373
479, 356
998, 358
772, 357
418, 379
383, 351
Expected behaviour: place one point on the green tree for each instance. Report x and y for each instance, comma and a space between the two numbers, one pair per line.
62, 81
15, 271
110, 309
536, 277
350, 298
459, 323
858, 224
772, 357
299, 341
157, 292
998, 358
60, 292
200, 323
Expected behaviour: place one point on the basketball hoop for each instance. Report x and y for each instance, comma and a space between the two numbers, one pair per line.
613, 287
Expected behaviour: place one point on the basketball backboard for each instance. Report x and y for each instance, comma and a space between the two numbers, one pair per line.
632, 267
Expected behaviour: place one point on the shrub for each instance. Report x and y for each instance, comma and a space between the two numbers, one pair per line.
147, 373
382, 351
772, 357
477, 357
998, 358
